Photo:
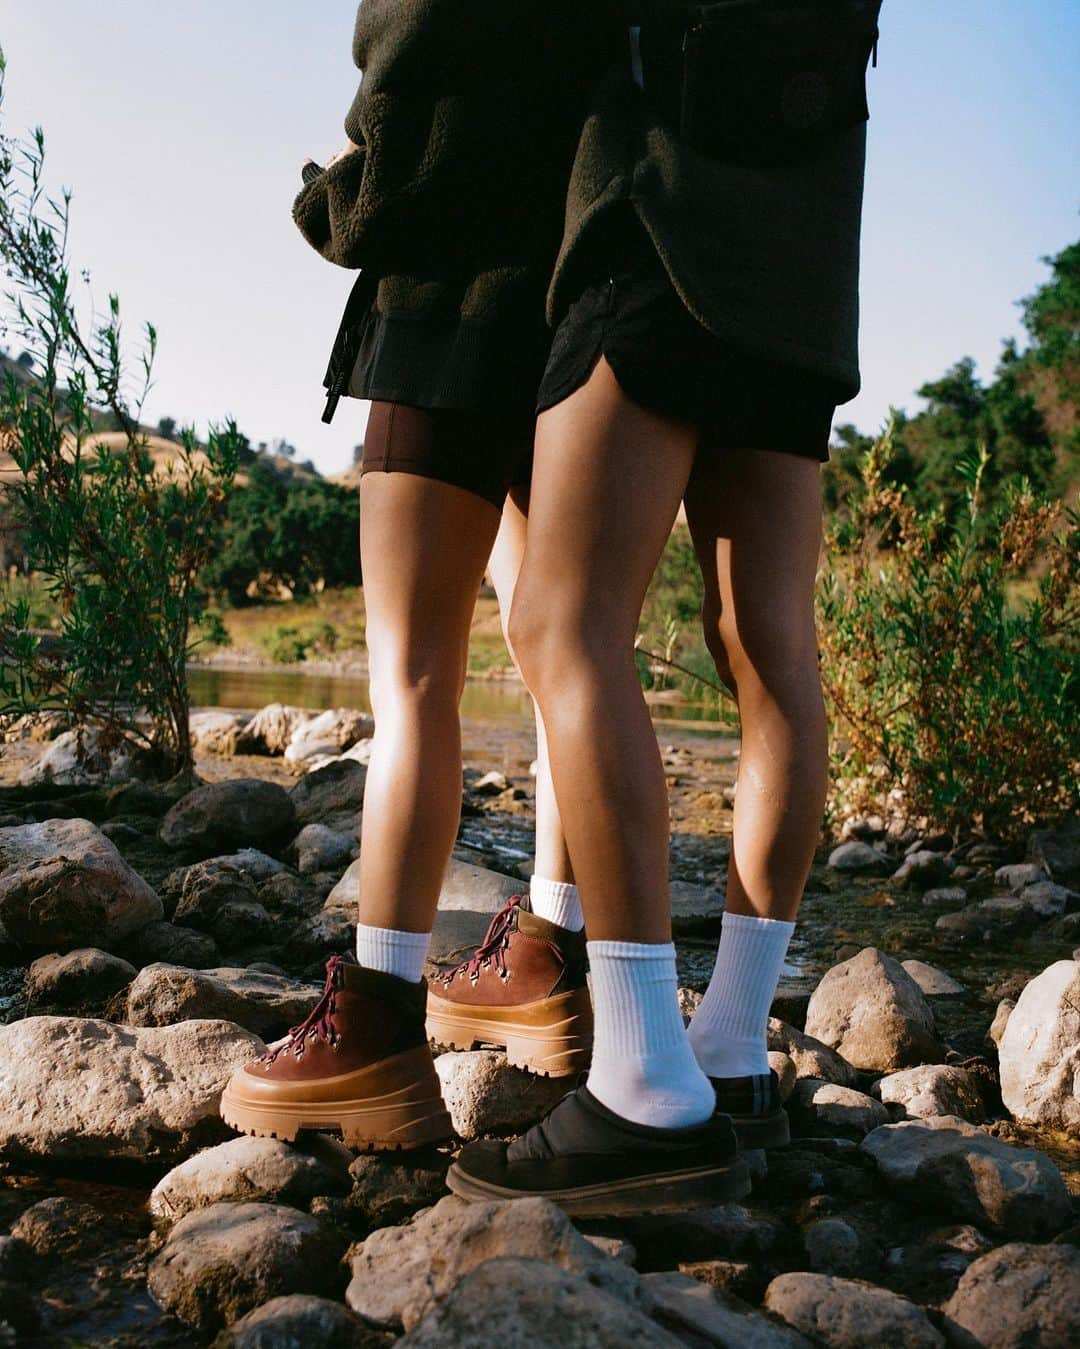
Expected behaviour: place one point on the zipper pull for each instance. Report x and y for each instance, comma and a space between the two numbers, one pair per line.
331, 406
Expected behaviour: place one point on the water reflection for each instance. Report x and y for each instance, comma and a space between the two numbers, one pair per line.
483, 700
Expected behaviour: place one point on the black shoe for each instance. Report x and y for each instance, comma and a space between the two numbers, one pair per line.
756, 1110
595, 1164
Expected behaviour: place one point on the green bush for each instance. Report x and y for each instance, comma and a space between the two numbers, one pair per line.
286, 646
117, 542
949, 645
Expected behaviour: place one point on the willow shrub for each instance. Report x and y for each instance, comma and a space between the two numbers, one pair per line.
949, 653
117, 542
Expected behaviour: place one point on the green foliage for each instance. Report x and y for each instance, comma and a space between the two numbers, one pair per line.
117, 543
950, 652
671, 651
288, 645
210, 630
295, 533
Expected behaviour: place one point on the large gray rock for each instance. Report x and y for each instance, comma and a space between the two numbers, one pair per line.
236, 813
74, 1090
167, 944
399, 1272
695, 909
221, 1262
694, 1310
522, 1303
1020, 1297
859, 859
476, 888
972, 1176
216, 730
77, 977
923, 869
60, 764
253, 1169
1039, 1051
871, 1011
810, 1057
64, 885
271, 728
934, 983
841, 1247
388, 1189
825, 1110
329, 733
320, 848
194, 894
1017, 875
934, 1089
267, 1004
846, 1314
485, 1095
301, 1321
332, 795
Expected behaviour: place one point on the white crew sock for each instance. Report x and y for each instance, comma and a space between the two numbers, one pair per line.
557, 901
728, 1031
392, 951
642, 1065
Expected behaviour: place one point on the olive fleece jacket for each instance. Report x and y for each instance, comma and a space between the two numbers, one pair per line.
469, 117
457, 202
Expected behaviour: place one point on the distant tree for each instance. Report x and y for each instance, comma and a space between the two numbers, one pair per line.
294, 531
282, 447
167, 427
358, 452
25, 360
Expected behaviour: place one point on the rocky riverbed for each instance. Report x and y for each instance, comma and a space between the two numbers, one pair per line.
927, 1035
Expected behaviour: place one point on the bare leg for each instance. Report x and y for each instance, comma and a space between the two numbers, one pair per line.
424, 545
755, 517
552, 858
607, 480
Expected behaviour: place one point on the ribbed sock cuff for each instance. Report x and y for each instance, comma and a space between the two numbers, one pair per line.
556, 901
729, 1030
403, 954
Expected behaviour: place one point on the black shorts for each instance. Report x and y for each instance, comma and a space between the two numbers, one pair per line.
666, 361
483, 452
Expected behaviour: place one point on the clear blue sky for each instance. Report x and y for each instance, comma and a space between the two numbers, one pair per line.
181, 128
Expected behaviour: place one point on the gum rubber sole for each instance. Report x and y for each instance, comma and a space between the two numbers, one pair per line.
551, 1037
393, 1104
769, 1131
360, 1128
665, 1192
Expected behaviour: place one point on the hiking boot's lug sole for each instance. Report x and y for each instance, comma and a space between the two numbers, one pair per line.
552, 1037
408, 1111
671, 1192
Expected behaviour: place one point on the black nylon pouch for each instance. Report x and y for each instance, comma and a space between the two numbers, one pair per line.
768, 82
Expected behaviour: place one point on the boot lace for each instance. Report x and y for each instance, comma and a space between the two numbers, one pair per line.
492, 949
318, 1024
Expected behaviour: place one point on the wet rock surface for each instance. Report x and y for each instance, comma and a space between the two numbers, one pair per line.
223, 1261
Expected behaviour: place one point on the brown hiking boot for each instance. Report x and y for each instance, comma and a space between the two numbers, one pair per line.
523, 989
360, 1063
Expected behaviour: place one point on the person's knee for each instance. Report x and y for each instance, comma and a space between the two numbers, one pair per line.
419, 683
552, 644
770, 648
